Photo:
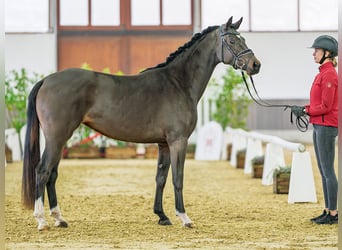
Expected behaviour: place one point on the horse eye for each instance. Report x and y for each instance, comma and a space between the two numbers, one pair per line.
232, 41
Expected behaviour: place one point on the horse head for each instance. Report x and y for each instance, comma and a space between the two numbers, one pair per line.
233, 50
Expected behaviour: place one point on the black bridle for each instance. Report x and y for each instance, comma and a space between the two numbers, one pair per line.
236, 56
302, 122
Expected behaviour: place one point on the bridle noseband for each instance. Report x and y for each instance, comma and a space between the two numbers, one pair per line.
237, 56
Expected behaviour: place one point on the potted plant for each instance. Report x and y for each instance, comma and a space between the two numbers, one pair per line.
257, 166
240, 158
281, 179
122, 150
17, 87
151, 151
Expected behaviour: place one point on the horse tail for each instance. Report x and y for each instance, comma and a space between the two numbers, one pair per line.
31, 150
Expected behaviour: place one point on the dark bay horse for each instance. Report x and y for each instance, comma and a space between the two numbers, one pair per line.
159, 105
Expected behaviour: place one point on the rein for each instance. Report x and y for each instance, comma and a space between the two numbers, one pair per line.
302, 122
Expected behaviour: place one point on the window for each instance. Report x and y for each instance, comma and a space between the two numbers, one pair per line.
318, 14
161, 13
111, 14
27, 16
181, 7
214, 15
105, 12
273, 15
73, 13
270, 15
145, 12
98, 13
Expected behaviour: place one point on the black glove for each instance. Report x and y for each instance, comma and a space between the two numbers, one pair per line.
298, 110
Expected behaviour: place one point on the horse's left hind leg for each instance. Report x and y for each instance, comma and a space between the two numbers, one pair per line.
54, 208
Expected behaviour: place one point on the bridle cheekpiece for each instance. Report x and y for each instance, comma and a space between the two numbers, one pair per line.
237, 56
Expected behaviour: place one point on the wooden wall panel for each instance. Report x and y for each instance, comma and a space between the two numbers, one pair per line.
147, 52
129, 54
99, 52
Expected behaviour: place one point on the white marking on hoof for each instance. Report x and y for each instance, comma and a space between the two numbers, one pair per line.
43, 226
185, 219
57, 215
39, 215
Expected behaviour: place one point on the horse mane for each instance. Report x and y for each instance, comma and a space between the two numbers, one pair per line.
181, 49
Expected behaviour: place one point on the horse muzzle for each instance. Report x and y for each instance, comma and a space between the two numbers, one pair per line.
253, 67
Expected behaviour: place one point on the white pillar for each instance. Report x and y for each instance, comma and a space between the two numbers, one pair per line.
274, 157
254, 149
302, 185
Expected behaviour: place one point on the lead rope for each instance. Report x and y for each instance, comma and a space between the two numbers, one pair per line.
302, 122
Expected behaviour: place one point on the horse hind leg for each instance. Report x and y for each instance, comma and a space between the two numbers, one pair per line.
46, 175
55, 211
161, 177
38, 213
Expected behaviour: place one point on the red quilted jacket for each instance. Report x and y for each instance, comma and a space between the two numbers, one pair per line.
323, 107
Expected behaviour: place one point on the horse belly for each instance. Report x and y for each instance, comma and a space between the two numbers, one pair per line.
126, 126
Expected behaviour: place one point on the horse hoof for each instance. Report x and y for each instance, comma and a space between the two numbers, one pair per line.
164, 222
62, 224
188, 225
43, 227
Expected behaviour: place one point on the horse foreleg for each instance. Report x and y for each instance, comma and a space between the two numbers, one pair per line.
54, 208
161, 177
185, 219
178, 153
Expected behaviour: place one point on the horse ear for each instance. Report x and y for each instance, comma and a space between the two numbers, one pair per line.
229, 23
237, 24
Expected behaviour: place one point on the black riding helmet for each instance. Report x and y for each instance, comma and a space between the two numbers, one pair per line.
327, 43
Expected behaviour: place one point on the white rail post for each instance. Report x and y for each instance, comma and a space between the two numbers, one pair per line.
302, 185
254, 149
227, 139
274, 157
239, 142
12, 140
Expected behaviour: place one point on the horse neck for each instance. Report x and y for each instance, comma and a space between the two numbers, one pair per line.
197, 64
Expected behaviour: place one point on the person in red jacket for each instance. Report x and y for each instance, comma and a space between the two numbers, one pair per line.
323, 112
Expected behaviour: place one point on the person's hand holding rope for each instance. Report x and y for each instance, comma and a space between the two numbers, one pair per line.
301, 119
298, 110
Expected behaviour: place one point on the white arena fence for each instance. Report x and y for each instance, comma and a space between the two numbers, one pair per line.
302, 187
